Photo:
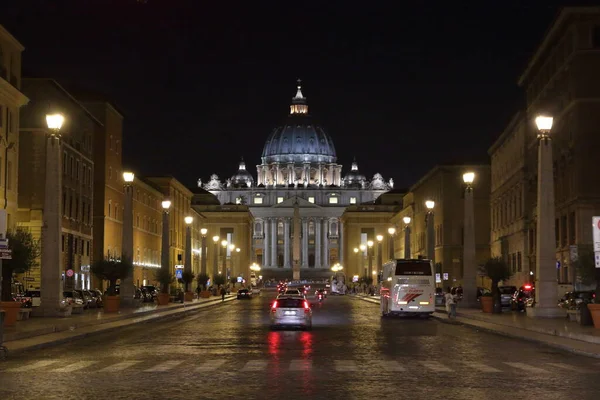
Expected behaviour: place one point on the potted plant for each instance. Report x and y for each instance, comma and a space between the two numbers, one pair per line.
219, 280
25, 252
587, 273
112, 270
165, 278
233, 281
487, 302
497, 270
202, 280
187, 277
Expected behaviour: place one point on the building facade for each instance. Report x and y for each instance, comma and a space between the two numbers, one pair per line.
11, 100
298, 170
77, 147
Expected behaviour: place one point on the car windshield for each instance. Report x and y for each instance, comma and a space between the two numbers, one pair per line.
290, 303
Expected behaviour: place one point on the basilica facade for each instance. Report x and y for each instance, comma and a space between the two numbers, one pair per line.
298, 197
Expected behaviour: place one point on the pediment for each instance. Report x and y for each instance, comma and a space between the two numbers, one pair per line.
292, 201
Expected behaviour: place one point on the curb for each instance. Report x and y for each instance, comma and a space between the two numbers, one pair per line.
71, 335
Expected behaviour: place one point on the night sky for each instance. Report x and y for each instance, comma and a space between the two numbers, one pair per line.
202, 84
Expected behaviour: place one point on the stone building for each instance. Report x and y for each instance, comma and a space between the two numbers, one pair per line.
11, 99
444, 185
77, 148
298, 169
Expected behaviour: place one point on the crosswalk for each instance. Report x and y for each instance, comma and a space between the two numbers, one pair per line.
341, 366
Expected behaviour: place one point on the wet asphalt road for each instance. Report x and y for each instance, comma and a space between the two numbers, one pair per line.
228, 352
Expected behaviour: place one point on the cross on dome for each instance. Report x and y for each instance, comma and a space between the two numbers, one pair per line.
298, 105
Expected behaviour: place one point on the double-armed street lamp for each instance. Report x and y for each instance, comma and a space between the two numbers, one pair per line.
224, 244
379, 256
203, 250
216, 256
370, 256
392, 233
51, 293
429, 220
164, 252
127, 289
187, 265
469, 274
363, 249
406, 221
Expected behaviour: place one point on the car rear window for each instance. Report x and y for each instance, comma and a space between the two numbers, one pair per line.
290, 303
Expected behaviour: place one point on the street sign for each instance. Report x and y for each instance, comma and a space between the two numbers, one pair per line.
596, 232
5, 254
70, 273
438, 278
179, 266
3, 243
597, 257
445, 276
179, 274
557, 264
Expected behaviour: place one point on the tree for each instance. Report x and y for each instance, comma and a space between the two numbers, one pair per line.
497, 270
165, 278
219, 280
187, 277
112, 270
202, 280
585, 265
25, 252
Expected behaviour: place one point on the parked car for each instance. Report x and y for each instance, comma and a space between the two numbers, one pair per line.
574, 300
522, 298
99, 297
506, 294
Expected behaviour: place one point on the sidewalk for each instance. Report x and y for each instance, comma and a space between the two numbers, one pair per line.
38, 332
559, 333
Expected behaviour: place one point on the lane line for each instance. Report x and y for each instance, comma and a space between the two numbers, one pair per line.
35, 365
300, 365
166, 366
345, 366
480, 366
526, 367
75, 366
393, 366
568, 367
255, 365
435, 366
120, 366
210, 365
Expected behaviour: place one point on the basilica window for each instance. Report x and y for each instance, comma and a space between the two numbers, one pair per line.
311, 199
352, 200
279, 200
238, 200
333, 200
258, 200
280, 228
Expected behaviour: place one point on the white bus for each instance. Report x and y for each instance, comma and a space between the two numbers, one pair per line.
408, 288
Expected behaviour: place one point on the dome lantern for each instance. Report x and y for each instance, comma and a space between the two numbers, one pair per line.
299, 105
242, 177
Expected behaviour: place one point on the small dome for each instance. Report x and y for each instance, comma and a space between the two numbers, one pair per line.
354, 177
242, 177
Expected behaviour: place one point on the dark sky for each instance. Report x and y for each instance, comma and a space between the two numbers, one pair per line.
201, 84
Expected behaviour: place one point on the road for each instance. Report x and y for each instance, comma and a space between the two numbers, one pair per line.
228, 351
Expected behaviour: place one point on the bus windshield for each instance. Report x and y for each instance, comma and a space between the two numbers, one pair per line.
414, 268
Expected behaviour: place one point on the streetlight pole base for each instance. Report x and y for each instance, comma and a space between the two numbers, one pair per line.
546, 312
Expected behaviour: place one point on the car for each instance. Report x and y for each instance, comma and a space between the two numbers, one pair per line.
293, 292
244, 294
506, 294
522, 298
291, 311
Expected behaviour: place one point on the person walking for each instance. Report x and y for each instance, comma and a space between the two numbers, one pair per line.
223, 293
450, 304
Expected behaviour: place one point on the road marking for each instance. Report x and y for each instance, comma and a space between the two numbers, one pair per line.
345, 366
75, 366
255, 365
35, 365
480, 367
164, 366
393, 366
525, 367
210, 365
435, 366
119, 366
300, 365
568, 367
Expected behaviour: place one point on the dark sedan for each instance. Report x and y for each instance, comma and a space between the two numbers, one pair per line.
244, 294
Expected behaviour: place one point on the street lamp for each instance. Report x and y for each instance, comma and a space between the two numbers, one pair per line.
126, 289
203, 233
406, 221
429, 221
379, 253
392, 232
469, 275
370, 256
187, 265
545, 269
164, 259
216, 256
51, 273
224, 244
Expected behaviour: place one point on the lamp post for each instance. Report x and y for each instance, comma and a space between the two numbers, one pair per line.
216, 256
363, 248
379, 255
370, 256
126, 289
203, 250
357, 259
164, 251
224, 244
469, 275
429, 222
545, 274
392, 233
230, 270
187, 264
51, 293
406, 221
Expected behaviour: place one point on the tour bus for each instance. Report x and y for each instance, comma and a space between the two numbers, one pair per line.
408, 288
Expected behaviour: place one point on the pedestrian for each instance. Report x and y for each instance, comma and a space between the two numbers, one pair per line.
198, 291
450, 304
223, 293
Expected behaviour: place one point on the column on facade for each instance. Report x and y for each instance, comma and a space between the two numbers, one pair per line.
320, 174
274, 260
266, 247
318, 244
341, 242
259, 174
291, 175
306, 174
286, 243
325, 234
305, 242
277, 174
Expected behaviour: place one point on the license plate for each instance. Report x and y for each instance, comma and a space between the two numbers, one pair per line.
290, 313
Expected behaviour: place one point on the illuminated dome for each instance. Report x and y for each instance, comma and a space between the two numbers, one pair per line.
300, 139
242, 177
354, 177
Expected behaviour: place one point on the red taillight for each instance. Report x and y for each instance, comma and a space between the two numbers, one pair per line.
306, 306
274, 306
527, 287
